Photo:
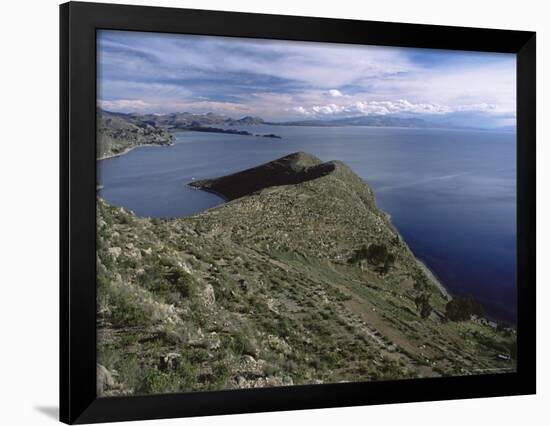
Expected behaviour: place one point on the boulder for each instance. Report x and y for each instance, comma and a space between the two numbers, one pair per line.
104, 379
170, 361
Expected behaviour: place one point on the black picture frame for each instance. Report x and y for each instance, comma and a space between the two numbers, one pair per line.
78, 25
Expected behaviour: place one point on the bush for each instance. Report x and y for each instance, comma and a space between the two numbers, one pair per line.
375, 254
422, 302
126, 310
167, 280
151, 380
180, 280
242, 344
462, 309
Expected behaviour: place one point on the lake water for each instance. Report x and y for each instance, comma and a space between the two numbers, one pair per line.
451, 193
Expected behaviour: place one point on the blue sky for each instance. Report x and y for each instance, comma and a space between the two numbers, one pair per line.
287, 80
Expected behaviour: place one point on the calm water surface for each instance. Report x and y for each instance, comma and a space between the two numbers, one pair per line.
451, 193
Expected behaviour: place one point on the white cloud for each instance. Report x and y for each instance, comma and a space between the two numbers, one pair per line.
281, 80
493, 84
125, 105
160, 106
401, 106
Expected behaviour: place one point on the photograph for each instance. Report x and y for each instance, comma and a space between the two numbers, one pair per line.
281, 213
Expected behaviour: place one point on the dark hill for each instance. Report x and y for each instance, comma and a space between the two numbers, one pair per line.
289, 170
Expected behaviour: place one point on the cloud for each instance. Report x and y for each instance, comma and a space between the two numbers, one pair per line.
284, 80
400, 106
494, 84
125, 105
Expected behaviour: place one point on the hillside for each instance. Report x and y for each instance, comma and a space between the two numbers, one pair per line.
187, 119
299, 279
119, 133
292, 169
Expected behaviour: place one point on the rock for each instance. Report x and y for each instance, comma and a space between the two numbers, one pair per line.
243, 285
278, 344
262, 382
241, 382
170, 361
249, 366
208, 296
104, 379
133, 252
115, 252
271, 305
214, 341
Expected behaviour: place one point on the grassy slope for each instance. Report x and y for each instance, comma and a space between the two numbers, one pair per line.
259, 292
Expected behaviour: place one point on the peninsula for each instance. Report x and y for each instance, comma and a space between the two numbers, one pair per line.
118, 133
299, 278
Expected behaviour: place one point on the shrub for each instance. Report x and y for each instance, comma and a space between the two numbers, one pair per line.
422, 302
180, 280
375, 254
126, 310
167, 280
462, 308
243, 344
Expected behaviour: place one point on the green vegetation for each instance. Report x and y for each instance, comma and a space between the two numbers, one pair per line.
462, 309
376, 255
215, 301
422, 302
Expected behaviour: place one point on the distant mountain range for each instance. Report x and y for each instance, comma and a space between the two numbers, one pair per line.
363, 120
183, 120
187, 119
119, 131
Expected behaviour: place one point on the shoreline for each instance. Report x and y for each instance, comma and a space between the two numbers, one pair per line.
449, 296
433, 277
211, 191
127, 150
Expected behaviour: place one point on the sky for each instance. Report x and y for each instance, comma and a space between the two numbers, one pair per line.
288, 80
